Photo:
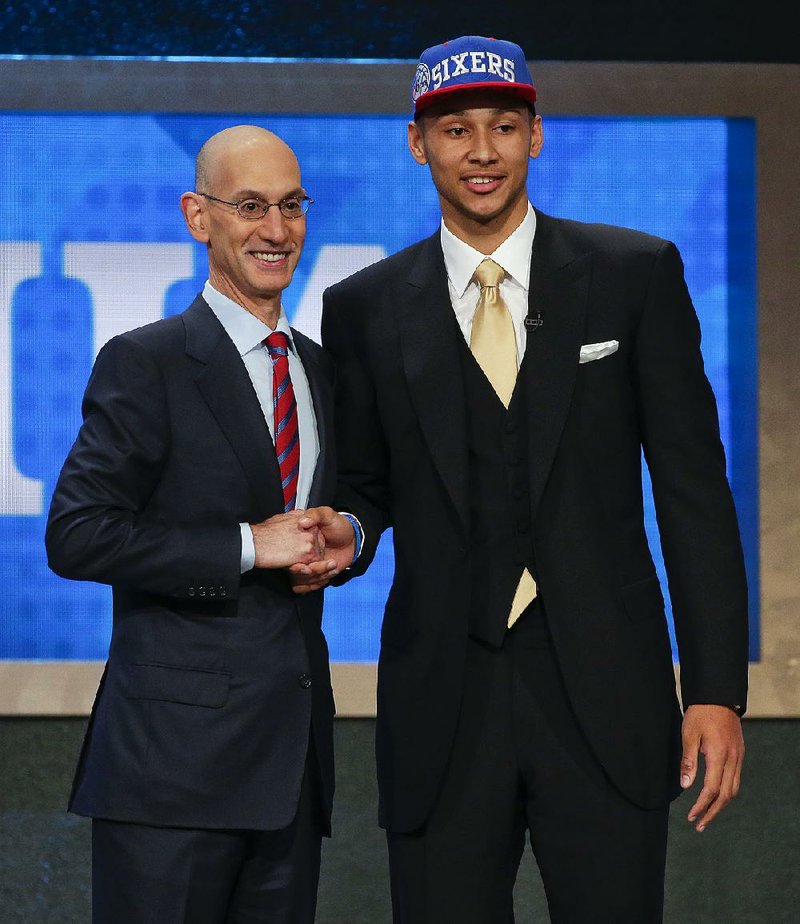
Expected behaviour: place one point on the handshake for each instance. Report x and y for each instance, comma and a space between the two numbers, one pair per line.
313, 545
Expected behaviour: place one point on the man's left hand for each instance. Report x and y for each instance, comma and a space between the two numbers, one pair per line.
716, 733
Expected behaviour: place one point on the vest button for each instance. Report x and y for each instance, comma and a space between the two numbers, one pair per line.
523, 525
511, 425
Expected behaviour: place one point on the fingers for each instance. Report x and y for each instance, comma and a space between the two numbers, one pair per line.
313, 569
707, 805
310, 577
308, 588
308, 545
720, 787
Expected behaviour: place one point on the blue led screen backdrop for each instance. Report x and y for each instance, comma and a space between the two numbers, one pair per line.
92, 243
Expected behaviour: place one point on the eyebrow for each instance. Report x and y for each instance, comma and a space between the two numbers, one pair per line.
255, 194
499, 111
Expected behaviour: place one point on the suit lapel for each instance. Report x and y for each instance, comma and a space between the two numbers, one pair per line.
226, 388
429, 346
559, 290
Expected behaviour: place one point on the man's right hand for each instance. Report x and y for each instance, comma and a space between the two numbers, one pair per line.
281, 541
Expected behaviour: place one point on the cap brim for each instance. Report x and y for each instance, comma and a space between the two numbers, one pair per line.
522, 91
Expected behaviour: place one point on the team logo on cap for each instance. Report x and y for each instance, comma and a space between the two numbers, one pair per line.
422, 80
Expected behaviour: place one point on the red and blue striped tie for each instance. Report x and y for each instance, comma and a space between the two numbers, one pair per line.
284, 409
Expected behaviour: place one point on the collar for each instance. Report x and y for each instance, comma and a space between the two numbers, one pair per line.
245, 330
514, 255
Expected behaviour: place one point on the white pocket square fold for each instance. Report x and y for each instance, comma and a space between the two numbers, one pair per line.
592, 351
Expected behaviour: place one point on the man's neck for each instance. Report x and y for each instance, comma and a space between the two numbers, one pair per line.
485, 238
268, 311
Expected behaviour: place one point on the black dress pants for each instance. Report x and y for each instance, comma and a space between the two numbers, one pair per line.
520, 765
150, 875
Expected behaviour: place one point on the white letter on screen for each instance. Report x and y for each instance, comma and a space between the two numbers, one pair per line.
334, 263
19, 495
128, 281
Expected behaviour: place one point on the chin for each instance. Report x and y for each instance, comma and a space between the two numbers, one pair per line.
488, 215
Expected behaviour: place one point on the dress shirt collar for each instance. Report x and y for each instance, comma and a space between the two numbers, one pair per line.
244, 329
514, 255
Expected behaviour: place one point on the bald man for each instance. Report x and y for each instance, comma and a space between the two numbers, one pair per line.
208, 764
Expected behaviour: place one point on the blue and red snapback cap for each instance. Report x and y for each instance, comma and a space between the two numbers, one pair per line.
471, 62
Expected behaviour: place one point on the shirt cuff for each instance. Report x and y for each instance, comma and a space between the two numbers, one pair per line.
358, 530
248, 548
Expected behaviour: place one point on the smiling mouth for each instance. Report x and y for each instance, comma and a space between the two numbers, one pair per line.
268, 256
482, 183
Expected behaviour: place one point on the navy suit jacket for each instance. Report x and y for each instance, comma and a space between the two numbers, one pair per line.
214, 679
403, 462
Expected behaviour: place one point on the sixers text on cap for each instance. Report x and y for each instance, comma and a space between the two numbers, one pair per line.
471, 62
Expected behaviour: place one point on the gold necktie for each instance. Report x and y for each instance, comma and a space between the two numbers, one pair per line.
494, 346
492, 342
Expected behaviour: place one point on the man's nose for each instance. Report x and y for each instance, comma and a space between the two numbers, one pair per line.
273, 226
483, 149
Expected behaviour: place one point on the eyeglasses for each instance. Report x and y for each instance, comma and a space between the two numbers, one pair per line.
255, 209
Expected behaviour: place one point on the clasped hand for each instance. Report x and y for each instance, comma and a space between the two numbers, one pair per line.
313, 545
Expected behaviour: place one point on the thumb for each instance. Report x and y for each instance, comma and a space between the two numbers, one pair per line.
325, 515
310, 518
689, 760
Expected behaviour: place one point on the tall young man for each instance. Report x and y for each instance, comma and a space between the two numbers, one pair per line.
496, 385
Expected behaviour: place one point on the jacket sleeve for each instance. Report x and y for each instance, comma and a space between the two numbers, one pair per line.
363, 487
101, 524
694, 507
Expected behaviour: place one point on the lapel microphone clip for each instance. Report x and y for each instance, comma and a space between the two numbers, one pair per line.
534, 322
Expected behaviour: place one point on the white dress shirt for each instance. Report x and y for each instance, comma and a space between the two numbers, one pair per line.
514, 255
248, 334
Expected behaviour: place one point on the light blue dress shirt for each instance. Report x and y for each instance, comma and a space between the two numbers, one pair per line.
248, 334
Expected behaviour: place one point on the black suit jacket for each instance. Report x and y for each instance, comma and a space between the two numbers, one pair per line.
401, 431
213, 677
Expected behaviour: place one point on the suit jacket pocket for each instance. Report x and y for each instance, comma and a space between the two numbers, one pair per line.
176, 685
643, 600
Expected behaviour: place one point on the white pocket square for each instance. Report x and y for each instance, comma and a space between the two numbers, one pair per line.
591, 351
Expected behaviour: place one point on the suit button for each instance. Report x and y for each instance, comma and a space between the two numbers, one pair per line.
523, 525
520, 491
192, 591
511, 425
201, 591
223, 591
212, 591
304, 680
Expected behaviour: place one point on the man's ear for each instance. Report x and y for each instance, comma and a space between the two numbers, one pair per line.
537, 136
195, 216
416, 143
